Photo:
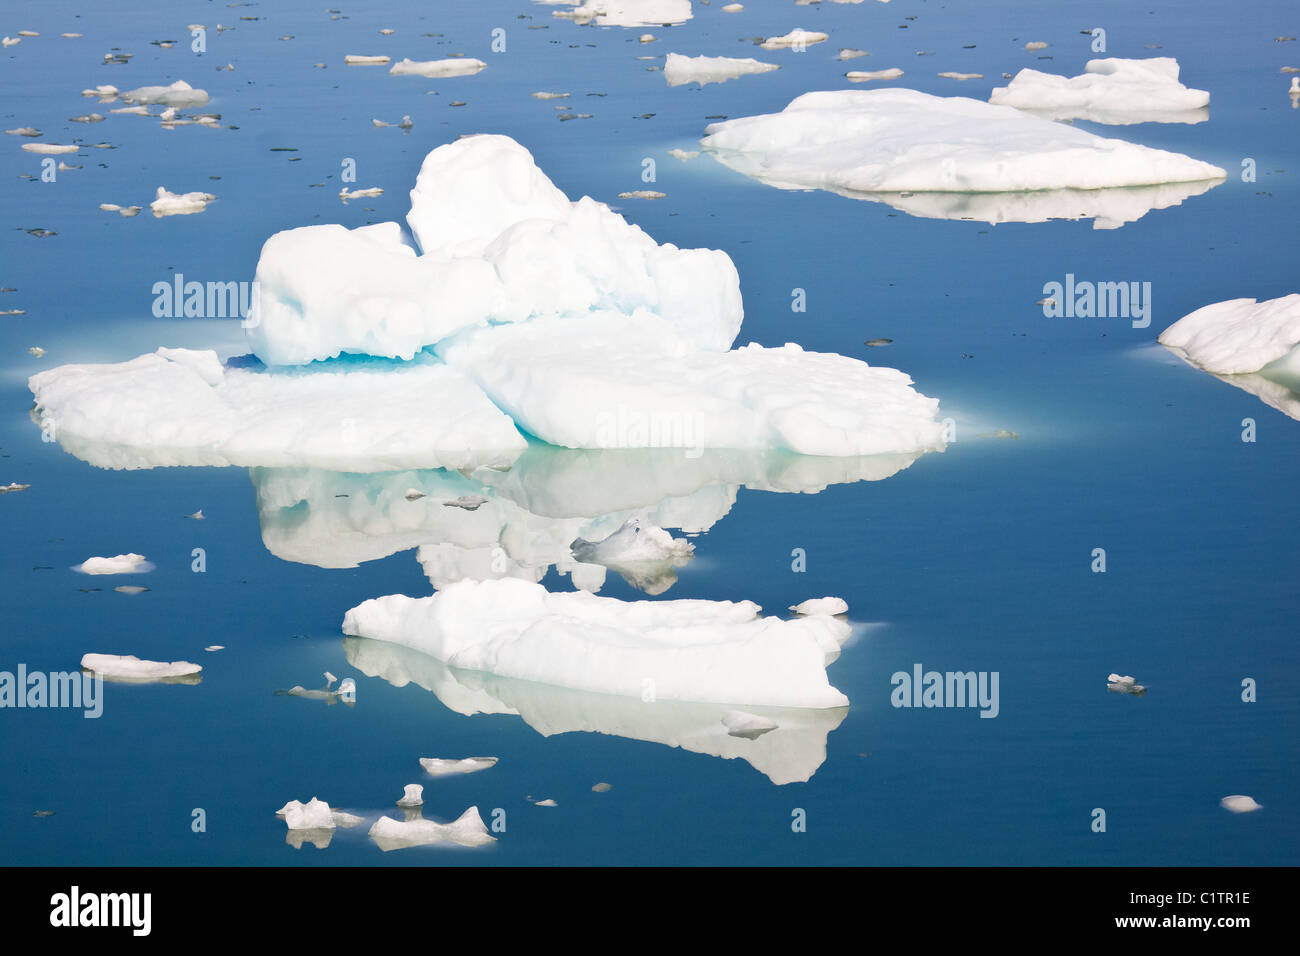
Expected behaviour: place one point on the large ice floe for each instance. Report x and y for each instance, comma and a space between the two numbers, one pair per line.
1112, 91
954, 157
685, 650
791, 753
1247, 343
521, 311
624, 13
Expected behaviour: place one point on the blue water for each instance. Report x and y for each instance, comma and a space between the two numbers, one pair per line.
975, 559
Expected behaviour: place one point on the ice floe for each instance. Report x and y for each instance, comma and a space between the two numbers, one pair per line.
182, 407
1247, 343
789, 754
679, 69
456, 66
129, 668
1239, 803
826, 605
179, 93
954, 157
797, 38
1125, 685
467, 830
866, 76
358, 59
691, 650
412, 796
119, 564
312, 815
51, 149
179, 204
437, 767
1114, 91
624, 13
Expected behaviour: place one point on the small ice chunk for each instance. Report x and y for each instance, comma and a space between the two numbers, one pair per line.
23, 131
849, 53
413, 494
602, 788
642, 194
467, 830
131, 668
1239, 803
50, 149
197, 516
179, 204
683, 154
467, 502
412, 797
118, 564
796, 37
127, 211
179, 93
733, 8
11, 41
36, 350
356, 59
962, 76
12, 486
550, 803
1035, 45
825, 605
647, 38
865, 76
215, 647
679, 69
749, 726
313, 815
457, 66
130, 589
542, 95
345, 194
438, 767
1124, 685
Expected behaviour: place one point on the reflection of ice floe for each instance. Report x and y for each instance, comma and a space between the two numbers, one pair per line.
533, 512
467, 830
742, 724
1250, 344
1114, 91
624, 13
131, 669
437, 767
791, 753
646, 555
869, 143
679, 69
690, 650
182, 407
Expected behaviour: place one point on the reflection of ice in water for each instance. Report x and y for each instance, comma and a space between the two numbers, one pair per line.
791, 753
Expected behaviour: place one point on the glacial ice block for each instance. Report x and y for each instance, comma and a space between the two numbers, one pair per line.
690, 650
169, 409
679, 69
891, 140
499, 243
1114, 91
118, 564
1239, 335
312, 815
615, 382
131, 668
439, 767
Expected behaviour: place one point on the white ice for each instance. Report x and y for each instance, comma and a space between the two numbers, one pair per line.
313, 815
798, 37
625, 13
825, 605
902, 140
179, 93
742, 724
679, 69
1124, 685
1113, 90
438, 767
456, 66
467, 830
131, 668
412, 796
690, 650
119, 564
1239, 335
179, 204
1239, 803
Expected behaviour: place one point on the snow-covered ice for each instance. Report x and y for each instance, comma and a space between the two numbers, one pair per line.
825, 605
438, 767
900, 140
131, 668
624, 13
798, 37
179, 93
1114, 91
679, 69
1239, 803
467, 830
716, 651
179, 204
1239, 335
118, 564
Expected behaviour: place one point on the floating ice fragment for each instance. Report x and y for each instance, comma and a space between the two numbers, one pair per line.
437, 767
179, 204
642, 194
127, 211
354, 59
849, 53
865, 76
694, 650
132, 668
1124, 685
51, 149
1239, 803
457, 66
733, 8
549, 96
36, 350
412, 797
130, 589
1239, 335
213, 648
679, 69
683, 154
11, 41
602, 788
962, 76
197, 516
467, 830
552, 803
1114, 91
179, 93
313, 815
345, 194
23, 131
1035, 45
796, 37
12, 486
826, 605
119, 564
413, 494
749, 726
